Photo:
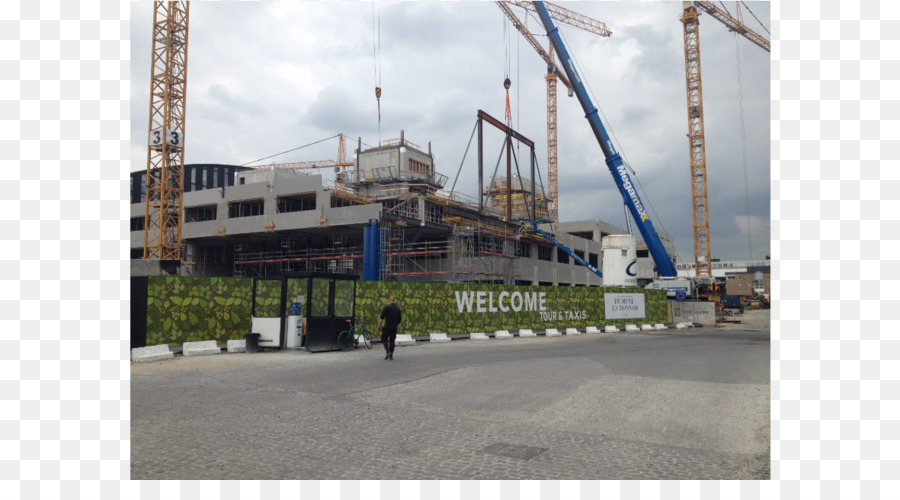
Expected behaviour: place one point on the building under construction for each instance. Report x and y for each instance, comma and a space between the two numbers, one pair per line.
241, 221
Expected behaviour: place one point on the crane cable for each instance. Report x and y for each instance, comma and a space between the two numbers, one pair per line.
376, 58
740, 87
507, 83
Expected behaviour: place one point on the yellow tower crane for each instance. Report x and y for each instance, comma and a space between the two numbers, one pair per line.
165, 148
696, 138
571, 18
308, 165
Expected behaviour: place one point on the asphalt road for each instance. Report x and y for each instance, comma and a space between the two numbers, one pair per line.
670, 405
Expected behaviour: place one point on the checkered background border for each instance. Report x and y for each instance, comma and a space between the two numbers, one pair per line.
65, 388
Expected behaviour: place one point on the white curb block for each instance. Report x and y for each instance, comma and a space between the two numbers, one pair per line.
236, 346
611, 329
527, 333
552, 332
403, 339
659, 326
478, 336
438, 337
591, 329
646, 327
502, 334
632, 328
151, 353
200, 348
572, 331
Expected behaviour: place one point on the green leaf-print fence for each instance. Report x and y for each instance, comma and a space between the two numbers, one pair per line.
186, 309
183, 309
454, 308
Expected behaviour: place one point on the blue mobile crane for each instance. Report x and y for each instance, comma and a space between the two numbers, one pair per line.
616, 167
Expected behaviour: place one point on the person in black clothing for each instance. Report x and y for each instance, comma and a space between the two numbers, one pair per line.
391, 316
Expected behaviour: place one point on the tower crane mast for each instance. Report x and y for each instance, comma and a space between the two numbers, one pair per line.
696, 135
165, 148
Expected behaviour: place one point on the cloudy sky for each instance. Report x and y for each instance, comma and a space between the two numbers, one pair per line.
268, 77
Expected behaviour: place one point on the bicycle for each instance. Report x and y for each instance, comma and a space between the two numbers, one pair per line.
352, 337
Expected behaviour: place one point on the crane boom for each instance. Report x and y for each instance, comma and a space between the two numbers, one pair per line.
613, 160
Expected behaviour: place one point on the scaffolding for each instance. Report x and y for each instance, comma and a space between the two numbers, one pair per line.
421, 261
483, 253
250, 261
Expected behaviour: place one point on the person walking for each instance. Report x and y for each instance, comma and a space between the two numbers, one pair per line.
391, 315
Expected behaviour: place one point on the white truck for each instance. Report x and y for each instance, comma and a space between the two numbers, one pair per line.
672, 286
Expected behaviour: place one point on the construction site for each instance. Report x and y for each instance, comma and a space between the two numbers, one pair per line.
259, 222
390, 202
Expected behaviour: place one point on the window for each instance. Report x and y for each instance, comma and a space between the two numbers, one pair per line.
592, 259
343, 297
137, 223
643, 253
545, 253
588, 235
337, 202
212, 255
200, 214
561, 256
297, 203
524, 250
246, 208
580, 254
418, 167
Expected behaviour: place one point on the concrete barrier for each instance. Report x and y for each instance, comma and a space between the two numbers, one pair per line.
478, 336
200, 348
403, 339
611, 329
552, 332
659, 326
236, 346
693, 312
591, 329
438, 337
680, 326
632, 328
527, 333
151, 353
572, 331
502, 334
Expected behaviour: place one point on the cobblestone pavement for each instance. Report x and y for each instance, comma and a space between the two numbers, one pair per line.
295, 415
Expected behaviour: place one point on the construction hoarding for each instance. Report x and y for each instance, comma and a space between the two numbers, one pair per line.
185, 309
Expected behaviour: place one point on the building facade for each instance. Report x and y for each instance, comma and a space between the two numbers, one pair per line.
241, 221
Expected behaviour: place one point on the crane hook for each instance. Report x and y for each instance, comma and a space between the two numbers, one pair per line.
507, 84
